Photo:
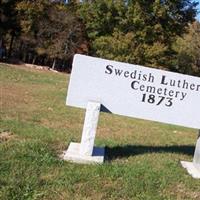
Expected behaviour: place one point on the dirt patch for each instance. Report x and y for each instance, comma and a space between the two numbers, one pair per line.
5, 136
31, 66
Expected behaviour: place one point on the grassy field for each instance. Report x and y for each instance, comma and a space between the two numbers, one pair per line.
142, 157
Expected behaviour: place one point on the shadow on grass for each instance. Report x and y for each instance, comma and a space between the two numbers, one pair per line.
132, 150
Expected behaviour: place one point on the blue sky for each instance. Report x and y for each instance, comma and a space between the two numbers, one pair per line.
198, 8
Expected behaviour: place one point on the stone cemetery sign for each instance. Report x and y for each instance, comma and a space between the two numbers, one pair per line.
131, 90
135, 91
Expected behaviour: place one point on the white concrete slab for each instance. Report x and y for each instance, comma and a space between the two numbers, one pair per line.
73, 154
193, 169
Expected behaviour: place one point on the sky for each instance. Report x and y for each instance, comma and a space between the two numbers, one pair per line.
198, 8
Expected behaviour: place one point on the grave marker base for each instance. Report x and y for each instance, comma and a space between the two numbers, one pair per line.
73, 154
193, 169
85, 152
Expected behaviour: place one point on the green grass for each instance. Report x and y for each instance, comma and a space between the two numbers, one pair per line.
142, 157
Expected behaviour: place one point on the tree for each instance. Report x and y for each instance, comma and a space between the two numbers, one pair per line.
146, 28
9, 24
50, 30
60, 33
188, 48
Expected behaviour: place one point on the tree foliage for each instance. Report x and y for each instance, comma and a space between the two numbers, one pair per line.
136, 31
188, 48
49, 31
9, 23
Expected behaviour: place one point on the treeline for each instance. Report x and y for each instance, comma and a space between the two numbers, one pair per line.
156, 33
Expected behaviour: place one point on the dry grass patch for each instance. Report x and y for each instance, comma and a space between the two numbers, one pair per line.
6, 135
181, 191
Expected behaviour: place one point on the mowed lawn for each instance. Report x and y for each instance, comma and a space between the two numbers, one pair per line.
142, 157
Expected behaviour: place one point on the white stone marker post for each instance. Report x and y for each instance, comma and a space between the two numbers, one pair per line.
85, 152
128, 90
89, 128
193, 168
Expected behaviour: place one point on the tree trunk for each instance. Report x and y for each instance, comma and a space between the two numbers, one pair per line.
21, 51
29, 58
34, 59
11, 44
54, 64
44, 61
1, 48
1, 41
24, 57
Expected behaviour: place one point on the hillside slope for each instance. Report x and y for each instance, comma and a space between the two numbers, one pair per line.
142, 157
